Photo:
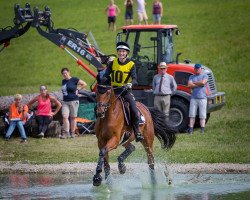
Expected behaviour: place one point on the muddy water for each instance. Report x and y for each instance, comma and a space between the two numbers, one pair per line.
129, 186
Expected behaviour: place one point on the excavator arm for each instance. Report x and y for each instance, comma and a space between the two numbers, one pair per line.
67, 39
21, 26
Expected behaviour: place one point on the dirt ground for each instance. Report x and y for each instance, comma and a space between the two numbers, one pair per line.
9, 167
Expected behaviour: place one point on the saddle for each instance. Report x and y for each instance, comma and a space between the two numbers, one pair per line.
126, 111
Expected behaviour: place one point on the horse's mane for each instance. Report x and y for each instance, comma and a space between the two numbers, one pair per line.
103, 88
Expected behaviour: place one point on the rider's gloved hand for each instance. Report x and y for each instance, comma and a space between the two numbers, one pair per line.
128, 86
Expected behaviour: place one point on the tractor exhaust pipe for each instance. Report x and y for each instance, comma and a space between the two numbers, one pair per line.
177, 57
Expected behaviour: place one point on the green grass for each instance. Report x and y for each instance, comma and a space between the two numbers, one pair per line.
214, 33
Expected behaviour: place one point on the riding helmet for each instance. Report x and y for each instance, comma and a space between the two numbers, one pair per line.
122, 45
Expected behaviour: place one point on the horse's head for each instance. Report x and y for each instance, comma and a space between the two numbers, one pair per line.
103, 97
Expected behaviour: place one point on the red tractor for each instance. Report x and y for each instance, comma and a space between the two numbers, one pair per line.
150, 44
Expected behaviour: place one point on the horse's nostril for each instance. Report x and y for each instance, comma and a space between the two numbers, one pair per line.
100, 114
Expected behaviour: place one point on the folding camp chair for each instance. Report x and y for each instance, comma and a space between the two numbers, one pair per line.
84, 126
86, 113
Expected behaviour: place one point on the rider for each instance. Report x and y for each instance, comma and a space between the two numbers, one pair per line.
123, 73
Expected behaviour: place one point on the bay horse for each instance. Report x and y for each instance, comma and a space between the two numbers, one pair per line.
112, 130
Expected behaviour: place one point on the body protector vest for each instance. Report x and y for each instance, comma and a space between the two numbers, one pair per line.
121, 73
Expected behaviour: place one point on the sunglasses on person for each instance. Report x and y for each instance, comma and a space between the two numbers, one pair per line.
42, 89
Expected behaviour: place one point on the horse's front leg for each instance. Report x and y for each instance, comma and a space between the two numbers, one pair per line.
121, 166
111, 144
106, 166
97, 179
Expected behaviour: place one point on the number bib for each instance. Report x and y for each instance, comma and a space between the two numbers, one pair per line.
121, 73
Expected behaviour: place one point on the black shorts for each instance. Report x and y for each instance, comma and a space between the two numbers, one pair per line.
128, 15
111, 19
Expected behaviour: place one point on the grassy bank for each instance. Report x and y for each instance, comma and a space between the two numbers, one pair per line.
219, 144
214, 33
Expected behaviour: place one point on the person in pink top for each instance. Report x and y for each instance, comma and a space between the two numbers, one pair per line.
112, 11
44, 113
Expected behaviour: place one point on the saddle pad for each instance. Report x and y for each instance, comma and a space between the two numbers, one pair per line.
125, 137
126, 111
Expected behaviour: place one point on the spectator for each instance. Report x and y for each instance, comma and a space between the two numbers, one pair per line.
164, 86
141, 11
17, 117
129, 12
112, 11
44, 114
70, 104
197, 83
157, 12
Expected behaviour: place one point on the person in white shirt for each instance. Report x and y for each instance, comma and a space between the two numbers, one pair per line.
141, 11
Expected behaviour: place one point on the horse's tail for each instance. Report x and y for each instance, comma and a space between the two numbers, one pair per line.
162, 129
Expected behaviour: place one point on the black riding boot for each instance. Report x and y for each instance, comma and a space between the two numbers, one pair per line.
138, 136
134, 116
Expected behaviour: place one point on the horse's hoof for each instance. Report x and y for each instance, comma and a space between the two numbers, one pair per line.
122, 168
97, 180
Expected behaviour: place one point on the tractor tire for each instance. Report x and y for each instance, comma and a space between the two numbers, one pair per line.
178, 114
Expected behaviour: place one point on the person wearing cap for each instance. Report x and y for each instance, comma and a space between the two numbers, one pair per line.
123, 72
197, 83
164, 86
44, 114
17, 117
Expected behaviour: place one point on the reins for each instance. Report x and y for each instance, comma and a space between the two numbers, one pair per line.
124, 89
107, 105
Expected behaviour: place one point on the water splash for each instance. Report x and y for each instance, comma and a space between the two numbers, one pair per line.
134, 185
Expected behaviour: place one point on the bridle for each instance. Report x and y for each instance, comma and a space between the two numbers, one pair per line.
99, 105
104, 105
107, 104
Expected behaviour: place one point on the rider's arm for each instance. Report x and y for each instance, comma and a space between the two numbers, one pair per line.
133, 76
107, 73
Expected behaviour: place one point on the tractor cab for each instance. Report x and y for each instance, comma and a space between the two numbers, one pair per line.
149, 45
